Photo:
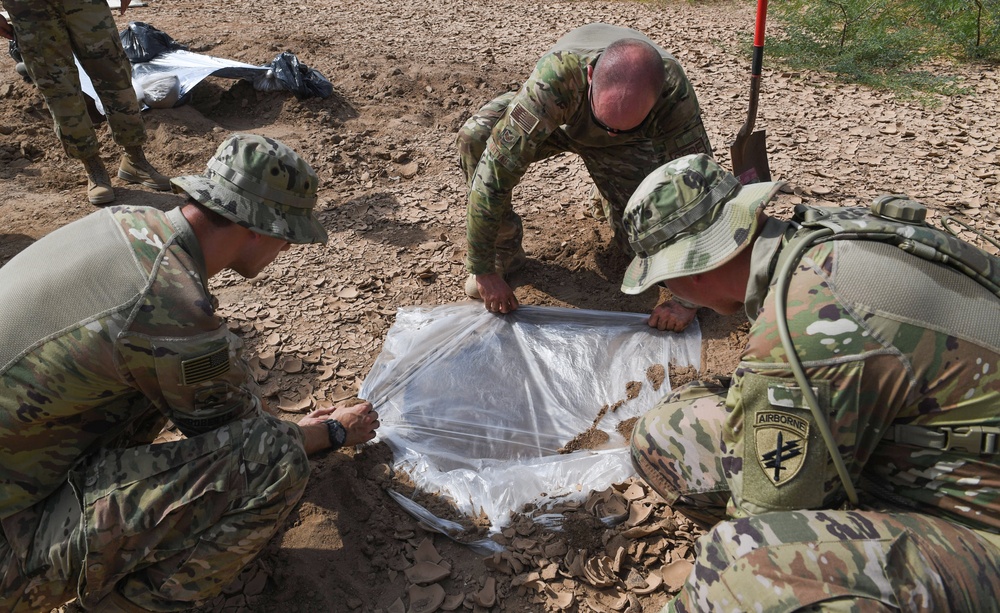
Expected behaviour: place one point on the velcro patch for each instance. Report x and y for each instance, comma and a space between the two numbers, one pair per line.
205, 367
212, 398
523, 118
508, 138
781, 440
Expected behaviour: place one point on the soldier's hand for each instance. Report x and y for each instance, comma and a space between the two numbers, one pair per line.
359, 420
671, 316
496, 294
124, 6
6, 30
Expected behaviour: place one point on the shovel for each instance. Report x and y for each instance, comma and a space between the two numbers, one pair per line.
749, 152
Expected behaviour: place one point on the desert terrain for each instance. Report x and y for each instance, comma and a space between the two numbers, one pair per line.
405, 76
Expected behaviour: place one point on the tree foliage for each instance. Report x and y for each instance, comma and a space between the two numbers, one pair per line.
882, 42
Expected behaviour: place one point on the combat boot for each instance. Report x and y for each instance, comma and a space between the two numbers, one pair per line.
23, 71
99, 189
506, 264
597, 205
136, 169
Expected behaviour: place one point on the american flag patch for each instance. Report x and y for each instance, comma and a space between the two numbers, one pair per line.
523, 118
205, 367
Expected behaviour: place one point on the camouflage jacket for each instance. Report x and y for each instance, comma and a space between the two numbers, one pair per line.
554, 98
902, 353
108, 330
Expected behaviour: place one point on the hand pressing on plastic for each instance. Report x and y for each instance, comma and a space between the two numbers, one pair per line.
359, 420
671, 315
496, 294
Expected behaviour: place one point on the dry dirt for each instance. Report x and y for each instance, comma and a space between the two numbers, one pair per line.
405, 75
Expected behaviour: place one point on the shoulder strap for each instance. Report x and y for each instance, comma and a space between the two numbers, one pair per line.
897, 220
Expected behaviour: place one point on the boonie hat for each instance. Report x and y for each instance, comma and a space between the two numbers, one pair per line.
687, 217
261, 184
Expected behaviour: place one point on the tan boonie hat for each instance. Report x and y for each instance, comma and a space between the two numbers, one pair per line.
261, 184
687, 217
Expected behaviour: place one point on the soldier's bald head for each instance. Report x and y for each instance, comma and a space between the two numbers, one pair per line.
626, 81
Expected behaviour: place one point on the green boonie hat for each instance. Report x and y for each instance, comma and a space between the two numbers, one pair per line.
687, 217
261, 184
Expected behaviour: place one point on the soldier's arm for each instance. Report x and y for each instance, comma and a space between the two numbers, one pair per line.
778, 458
200, 380
180, 355
545, 101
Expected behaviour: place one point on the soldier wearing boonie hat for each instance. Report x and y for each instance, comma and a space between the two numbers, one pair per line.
109, 331
898, 352
260, 184
687, 217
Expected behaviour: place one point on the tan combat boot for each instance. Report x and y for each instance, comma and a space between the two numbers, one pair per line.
136, 169
505, 265
98, 182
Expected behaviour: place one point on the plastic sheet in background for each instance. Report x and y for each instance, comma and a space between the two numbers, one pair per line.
475, 406
157, 58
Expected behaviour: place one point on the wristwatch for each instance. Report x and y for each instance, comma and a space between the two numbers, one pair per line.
338, 435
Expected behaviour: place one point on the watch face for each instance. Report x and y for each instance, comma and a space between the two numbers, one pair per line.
337, 432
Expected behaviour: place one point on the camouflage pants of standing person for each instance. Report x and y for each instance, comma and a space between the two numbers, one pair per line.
166, 525
616, 171
800, 560
49, 33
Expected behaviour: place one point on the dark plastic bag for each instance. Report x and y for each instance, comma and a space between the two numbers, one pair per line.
288, 73
143, 42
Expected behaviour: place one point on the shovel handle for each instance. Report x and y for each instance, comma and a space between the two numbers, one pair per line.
758, 39
756, 68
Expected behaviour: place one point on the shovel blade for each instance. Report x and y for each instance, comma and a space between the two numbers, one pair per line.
750, 158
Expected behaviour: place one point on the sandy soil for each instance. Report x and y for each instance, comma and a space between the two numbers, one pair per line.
405, 76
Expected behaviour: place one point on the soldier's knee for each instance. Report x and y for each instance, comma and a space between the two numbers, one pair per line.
471, 142
274, 457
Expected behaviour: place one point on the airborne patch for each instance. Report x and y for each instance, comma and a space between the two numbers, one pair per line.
781, 440
205, 367
523, 118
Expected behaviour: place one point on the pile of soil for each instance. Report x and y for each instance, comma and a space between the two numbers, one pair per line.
405, 75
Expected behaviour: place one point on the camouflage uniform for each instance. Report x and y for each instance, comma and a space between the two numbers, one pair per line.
899, 351
88, 507
550, 114
49, 33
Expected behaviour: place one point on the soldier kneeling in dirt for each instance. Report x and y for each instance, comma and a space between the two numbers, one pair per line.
109, 331
606, 93
870, 375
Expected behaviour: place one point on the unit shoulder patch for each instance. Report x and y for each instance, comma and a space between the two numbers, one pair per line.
781, 440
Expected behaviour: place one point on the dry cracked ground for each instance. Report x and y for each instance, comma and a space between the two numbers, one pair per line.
405, 75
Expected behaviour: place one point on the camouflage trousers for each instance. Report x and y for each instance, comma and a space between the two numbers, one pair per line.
166, 525
49, 33
830, 560
616, 171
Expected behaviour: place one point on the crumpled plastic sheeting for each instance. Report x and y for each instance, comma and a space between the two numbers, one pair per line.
475, 405
155, 56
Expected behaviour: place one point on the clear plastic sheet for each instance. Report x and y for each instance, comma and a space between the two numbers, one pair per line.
475, 406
